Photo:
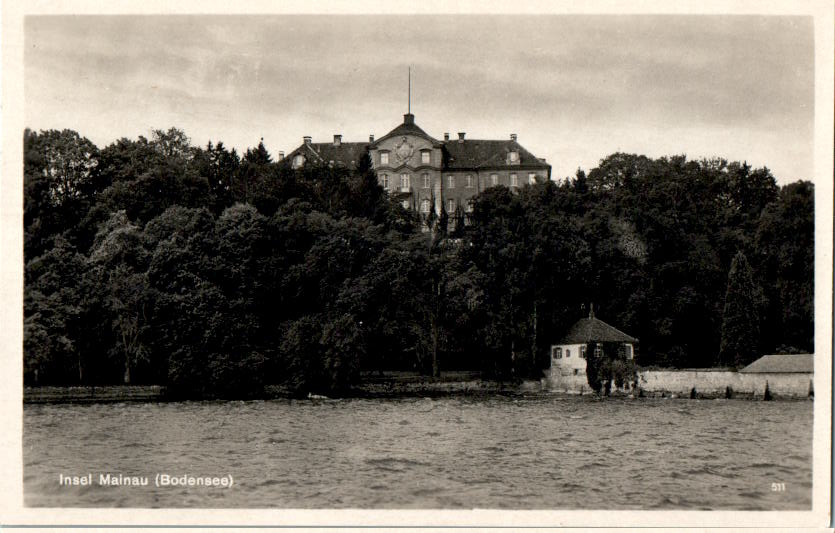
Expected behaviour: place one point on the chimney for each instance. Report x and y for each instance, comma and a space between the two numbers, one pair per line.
280, 156
307, 139
337, 140
541, 159
371, 138
408, 118
461, 136
446, 136
513, 137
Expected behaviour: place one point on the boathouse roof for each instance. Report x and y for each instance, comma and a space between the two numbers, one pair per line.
593, 329
782, 363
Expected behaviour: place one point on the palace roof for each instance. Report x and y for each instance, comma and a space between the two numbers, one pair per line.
408, 127
594, 330
476, 154
458, 154
346, 153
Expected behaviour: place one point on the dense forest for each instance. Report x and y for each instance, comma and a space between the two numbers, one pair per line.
216, 273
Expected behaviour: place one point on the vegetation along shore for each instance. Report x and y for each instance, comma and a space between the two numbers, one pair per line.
215, 274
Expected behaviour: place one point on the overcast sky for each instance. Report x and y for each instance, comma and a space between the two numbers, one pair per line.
574, 88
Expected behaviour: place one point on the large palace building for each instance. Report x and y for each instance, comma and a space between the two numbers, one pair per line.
423, 172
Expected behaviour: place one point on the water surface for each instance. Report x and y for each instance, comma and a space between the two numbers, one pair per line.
524, 452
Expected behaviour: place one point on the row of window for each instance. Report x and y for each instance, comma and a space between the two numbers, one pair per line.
451, 206
557, 352
405, 180
425, 157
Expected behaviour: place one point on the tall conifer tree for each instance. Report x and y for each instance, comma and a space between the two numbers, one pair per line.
740, 344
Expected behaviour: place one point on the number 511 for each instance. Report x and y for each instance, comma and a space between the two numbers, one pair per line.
778, 487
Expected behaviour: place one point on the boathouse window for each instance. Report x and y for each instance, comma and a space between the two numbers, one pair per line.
627, 351
597, 350
557, 353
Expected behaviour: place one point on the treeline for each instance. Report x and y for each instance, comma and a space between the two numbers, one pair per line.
153, 261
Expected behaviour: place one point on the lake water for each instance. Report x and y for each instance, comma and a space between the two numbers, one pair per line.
518, 452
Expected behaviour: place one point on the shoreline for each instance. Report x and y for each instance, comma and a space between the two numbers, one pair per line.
368, 390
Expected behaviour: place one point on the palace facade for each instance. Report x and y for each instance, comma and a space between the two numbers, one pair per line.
423, 172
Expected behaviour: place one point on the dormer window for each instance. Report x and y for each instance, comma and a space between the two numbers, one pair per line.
514, 157
384, 158
425, 157
298, 161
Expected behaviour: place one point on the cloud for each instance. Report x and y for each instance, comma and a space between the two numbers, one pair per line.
652, 83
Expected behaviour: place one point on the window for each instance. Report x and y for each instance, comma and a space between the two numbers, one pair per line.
469, 207
298, 161
424, 205
494, 179
469, 181
532, 178
451, 181
627, 350
426, 180
405, 204
567, 353
404, 182
424, 157
514, 157
576, 371
514, 180
597, 350
385, 181
450, 206
582, 352
556, 352
384, 158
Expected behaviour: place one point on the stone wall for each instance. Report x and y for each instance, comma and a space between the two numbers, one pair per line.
705, 382
702, 383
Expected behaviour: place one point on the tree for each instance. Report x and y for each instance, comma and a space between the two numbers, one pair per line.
785, 246
118, 264
740, 344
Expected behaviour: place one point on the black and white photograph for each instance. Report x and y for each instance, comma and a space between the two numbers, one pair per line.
430, 261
